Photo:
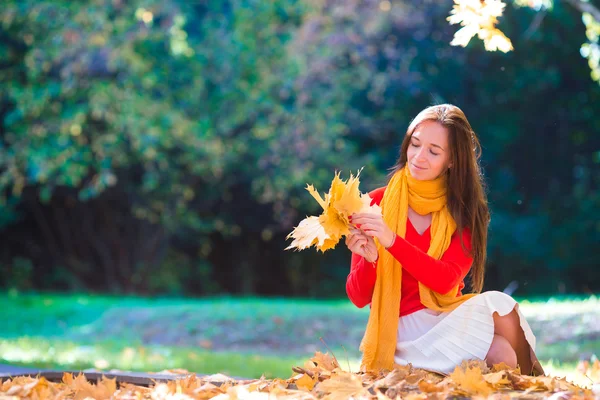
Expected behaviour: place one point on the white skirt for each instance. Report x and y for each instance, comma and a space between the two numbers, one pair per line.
439, 341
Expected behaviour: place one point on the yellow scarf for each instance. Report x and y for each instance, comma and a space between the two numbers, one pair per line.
379, 343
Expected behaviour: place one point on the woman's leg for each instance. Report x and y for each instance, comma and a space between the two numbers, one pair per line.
501, 351
509, 327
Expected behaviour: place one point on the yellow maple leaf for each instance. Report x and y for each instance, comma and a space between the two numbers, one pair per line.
471, 380
505, 367
479, 18
309, 232
367, 208
498, 379
325, 231
342, 386
305, 382
347, 198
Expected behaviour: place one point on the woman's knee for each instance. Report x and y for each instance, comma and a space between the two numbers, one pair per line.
509, 321
501, 351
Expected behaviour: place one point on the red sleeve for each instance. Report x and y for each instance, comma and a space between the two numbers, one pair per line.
361, 280
439, 275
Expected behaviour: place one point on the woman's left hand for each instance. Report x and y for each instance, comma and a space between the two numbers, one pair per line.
373, 225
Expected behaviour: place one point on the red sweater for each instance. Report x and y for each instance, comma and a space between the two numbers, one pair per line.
417, 266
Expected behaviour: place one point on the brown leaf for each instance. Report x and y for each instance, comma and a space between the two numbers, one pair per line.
322, 362
416, 376
393, 377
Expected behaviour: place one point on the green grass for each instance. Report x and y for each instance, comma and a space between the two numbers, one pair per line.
40, 328
79, 332
56, 354
51, 314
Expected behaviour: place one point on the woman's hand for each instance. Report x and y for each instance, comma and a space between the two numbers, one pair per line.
374, 226
360, 243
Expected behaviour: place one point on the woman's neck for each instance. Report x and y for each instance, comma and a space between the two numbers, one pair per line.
419, 222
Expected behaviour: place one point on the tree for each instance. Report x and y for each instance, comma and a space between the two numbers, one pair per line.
98, 143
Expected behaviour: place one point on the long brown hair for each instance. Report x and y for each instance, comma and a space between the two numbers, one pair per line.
466, 196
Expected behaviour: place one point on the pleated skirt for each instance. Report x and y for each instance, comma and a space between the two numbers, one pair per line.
439, 341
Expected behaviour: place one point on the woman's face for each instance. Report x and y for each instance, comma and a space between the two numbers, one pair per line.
428, 155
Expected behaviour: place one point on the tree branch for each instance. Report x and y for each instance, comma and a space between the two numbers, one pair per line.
586, 7
535, 24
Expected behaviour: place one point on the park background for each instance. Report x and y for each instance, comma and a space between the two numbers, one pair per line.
154, 156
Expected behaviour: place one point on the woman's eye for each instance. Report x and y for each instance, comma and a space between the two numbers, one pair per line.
435, 154
414, 145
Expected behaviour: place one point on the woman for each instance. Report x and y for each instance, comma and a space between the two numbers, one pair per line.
433, 233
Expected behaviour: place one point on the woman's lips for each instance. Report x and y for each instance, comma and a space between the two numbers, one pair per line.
417, 167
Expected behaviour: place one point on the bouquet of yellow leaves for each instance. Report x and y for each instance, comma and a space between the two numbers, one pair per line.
326, 230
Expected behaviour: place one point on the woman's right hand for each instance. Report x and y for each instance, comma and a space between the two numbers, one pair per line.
362, 244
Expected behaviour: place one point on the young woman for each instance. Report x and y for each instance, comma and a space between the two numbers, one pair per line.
433, 233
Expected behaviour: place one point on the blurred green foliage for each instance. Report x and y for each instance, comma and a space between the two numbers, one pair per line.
164, 146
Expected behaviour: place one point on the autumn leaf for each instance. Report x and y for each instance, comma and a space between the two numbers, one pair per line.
367, 208
394, 377
325, 361
306, 382
325, 231
346, 198
479, 18
342, 386
429, 387
498, 380
505, 367
309, 232
321, 379
471, 380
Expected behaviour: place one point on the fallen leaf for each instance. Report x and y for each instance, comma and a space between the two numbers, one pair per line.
394, 377
342, 386
305, 382
505, 367
471, 380
324, 362
428, 387
498, 379
321, 379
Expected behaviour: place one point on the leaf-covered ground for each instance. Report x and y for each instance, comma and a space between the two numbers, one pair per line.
240, 337
321, 377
